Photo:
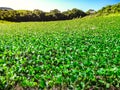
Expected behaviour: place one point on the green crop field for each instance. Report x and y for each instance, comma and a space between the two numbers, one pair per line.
77, 54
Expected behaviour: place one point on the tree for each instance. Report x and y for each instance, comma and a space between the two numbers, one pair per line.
74, 13
55, 14
38, 15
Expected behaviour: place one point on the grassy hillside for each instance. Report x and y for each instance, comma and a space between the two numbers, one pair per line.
76, 54
110, 9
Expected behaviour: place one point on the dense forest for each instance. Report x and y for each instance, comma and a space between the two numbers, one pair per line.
38, 15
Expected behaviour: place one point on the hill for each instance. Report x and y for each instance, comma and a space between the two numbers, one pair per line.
110, 9
5, 8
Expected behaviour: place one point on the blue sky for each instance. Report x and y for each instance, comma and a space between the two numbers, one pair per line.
62, 5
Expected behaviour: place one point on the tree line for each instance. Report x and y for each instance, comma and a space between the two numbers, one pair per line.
38, 15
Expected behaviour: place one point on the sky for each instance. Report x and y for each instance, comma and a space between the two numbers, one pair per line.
62, 5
